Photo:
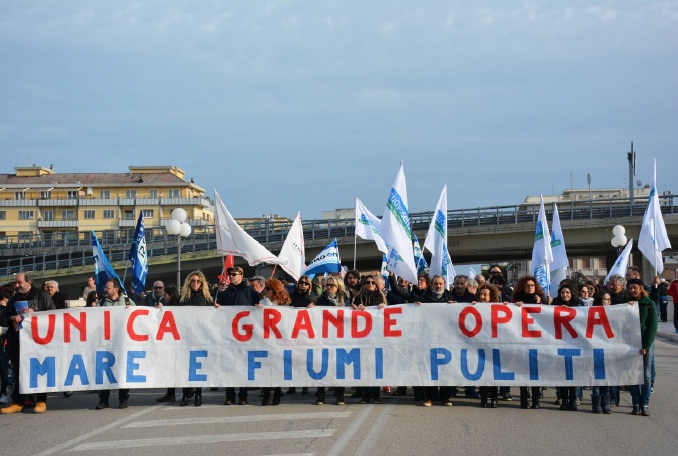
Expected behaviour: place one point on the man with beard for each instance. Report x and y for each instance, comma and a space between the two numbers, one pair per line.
238, 293
38, 301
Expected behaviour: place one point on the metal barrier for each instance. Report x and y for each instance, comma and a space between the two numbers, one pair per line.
115, 243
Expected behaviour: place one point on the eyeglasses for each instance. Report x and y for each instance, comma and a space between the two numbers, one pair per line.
304, 283
233, 274
196, 281
330, 285
530, 284
495, 272
369, 282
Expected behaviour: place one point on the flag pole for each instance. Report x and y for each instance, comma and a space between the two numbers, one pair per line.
355, 247
274, 267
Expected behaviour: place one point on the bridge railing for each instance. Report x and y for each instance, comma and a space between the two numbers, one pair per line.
78, 251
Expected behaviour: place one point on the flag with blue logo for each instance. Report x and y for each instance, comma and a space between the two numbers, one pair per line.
419, 259
102, 268
560, 260
436, 238
384, 271
326, 261
542, 255
367, 226
622, 262
396, 231
653, 238
138, 257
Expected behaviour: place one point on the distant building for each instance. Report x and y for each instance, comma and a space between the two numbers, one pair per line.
596, 195
339, 214
37, 201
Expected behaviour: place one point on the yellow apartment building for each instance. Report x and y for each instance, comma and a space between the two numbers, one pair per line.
40, 202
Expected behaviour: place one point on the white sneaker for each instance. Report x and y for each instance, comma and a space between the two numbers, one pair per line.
3, 399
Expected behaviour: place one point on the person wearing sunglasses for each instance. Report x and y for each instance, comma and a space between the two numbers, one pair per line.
301, 298
238, 293
196, 292
370, 296
333, 295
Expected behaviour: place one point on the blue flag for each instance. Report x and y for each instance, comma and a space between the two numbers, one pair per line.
138, 257
326, 261
102, 268
419, 259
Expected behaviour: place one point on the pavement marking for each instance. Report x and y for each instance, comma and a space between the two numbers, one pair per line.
370, 439
202, 439
338, 447
239, 419
98, 431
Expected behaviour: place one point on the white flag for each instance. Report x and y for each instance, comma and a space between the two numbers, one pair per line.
436, 238
653, 238
472, 273
233, 240
367, 226
619, 267
396, 231
560, 261
448, 269
292, 254
542, 256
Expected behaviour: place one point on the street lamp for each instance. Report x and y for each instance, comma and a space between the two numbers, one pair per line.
178, 228
619, 240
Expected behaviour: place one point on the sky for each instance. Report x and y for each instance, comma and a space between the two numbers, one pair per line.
286, 106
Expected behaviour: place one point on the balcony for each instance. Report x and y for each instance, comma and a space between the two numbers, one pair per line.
57, 202
204, 202
17, 203
127, 223
58, 224
192, 222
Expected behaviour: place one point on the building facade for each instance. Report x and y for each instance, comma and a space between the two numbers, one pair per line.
37, 202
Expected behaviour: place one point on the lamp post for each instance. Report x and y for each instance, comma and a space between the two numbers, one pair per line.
178, 228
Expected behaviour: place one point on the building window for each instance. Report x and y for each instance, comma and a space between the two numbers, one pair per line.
131, 194
67, 215
72, 194
89, 214
175, 193
109, 214
148, 213
129, 215
25, 215
46, 194
20, 195
153, 194
3, 215
104, 194
48, 216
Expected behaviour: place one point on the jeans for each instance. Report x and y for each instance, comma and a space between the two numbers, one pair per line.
600, 390
640, 394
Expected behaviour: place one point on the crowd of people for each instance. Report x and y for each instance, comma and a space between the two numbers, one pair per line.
356, 291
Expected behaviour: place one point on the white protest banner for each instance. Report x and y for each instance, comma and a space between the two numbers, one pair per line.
430, 344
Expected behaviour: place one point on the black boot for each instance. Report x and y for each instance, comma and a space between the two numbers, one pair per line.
266, 397
564, 398
605, 404
524, 400
276, 396
184, 401
536, 392
198, 397
572, 405
595, 404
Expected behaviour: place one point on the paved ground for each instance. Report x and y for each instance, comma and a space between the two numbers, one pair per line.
394, 427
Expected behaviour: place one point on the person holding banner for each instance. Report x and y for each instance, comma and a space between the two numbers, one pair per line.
113, 297
488, 293
352, 284
274, 295
600, 395
528, 291
647, 309
238, 293
568, 296
617, 287
301, 298
195, 292
369, 296
35, 300
437, 293
334, 295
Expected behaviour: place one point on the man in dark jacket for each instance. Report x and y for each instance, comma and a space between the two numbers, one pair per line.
38, 301
460, 293
238, 293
